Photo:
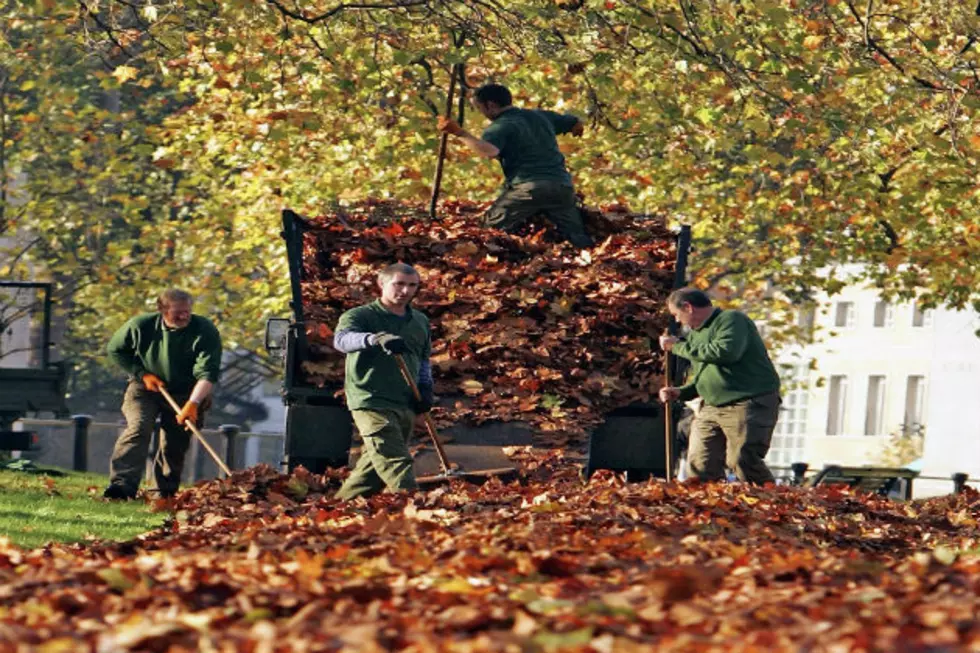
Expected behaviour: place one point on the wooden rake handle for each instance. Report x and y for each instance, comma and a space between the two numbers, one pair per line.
426, 417
457, 72
668, 420
193, 429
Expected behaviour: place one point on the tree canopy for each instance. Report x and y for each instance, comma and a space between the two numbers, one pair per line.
154, 142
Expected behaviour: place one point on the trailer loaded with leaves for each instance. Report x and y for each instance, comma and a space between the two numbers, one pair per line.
527, 331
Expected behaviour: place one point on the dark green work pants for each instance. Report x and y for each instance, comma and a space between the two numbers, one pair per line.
518, 203
140, 408
385, 461
736, 436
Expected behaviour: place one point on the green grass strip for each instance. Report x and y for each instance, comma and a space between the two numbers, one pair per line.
36, 508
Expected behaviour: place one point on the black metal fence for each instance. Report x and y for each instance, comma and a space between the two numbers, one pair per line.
85, 445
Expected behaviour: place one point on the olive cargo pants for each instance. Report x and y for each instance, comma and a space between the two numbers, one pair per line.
385, 461
737, 436
520, 202
140, 408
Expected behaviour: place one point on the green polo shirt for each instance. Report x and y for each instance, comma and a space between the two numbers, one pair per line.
372, 379
729, 361
528, 147
180, 357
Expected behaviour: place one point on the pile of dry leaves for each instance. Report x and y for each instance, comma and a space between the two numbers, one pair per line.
524, 327
267, 563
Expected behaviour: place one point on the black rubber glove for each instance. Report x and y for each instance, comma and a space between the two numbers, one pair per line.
390, 343
425, 405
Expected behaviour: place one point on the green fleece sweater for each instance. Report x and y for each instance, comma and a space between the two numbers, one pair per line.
729, 361
372, 379
178, 356
528, 148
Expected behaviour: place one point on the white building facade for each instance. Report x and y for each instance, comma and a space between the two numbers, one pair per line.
882, 369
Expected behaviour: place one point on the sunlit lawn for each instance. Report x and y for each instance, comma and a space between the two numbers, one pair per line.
38, 508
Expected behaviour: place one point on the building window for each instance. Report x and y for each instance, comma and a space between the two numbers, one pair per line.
915, 393
807, 321
921, 317
884, 314
844, 315
837, 406
788, 441
875, 416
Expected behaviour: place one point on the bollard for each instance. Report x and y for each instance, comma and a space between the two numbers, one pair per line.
200, 459
80, 459
959, 482
799, 471
230, 431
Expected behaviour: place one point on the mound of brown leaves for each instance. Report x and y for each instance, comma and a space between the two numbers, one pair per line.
268, 563
524, 327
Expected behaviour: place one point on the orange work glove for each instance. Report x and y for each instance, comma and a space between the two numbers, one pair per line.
188, 412
450, 126
578, 129
152, 382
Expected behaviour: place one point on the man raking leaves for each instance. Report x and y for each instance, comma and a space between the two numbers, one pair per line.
732, 374
171, 349
381, 403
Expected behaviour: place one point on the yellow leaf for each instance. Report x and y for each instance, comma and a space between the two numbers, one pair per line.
125, 73
812, 42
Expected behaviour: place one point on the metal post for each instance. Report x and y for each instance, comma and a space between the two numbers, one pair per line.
199, 461
959, 482
230, 431
46, 335
799, 471
80, 461
151, 453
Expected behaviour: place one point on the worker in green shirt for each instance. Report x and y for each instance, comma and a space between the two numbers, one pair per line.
381, 402
172, 349
536, 179
732, 374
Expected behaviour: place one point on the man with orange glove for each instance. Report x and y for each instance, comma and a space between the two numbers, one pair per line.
536, 179
170, 349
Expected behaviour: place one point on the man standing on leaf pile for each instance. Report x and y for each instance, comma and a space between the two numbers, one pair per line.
170, 349
381, 402
732, 374
536, 179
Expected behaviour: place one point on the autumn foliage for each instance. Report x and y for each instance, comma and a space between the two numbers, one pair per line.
524, 327
265, 563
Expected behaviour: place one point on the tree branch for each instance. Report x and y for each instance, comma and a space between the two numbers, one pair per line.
312, 20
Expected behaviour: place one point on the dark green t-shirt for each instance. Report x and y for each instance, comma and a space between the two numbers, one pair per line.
178, 356
528, 147
372, 379
729, 360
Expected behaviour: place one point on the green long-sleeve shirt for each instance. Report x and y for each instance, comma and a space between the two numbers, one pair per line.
729, 361
528, 148
372, 379
180, 357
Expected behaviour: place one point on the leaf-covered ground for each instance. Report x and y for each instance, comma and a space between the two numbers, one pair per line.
267, 563
524, 327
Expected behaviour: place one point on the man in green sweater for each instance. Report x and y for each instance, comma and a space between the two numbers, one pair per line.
732, 374
381, 402
170, 349
536, 179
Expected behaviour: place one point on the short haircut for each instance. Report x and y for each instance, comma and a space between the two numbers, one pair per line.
390, 271
173, 296
693, 296
496, 93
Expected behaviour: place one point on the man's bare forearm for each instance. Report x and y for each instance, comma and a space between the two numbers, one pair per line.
479, 145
